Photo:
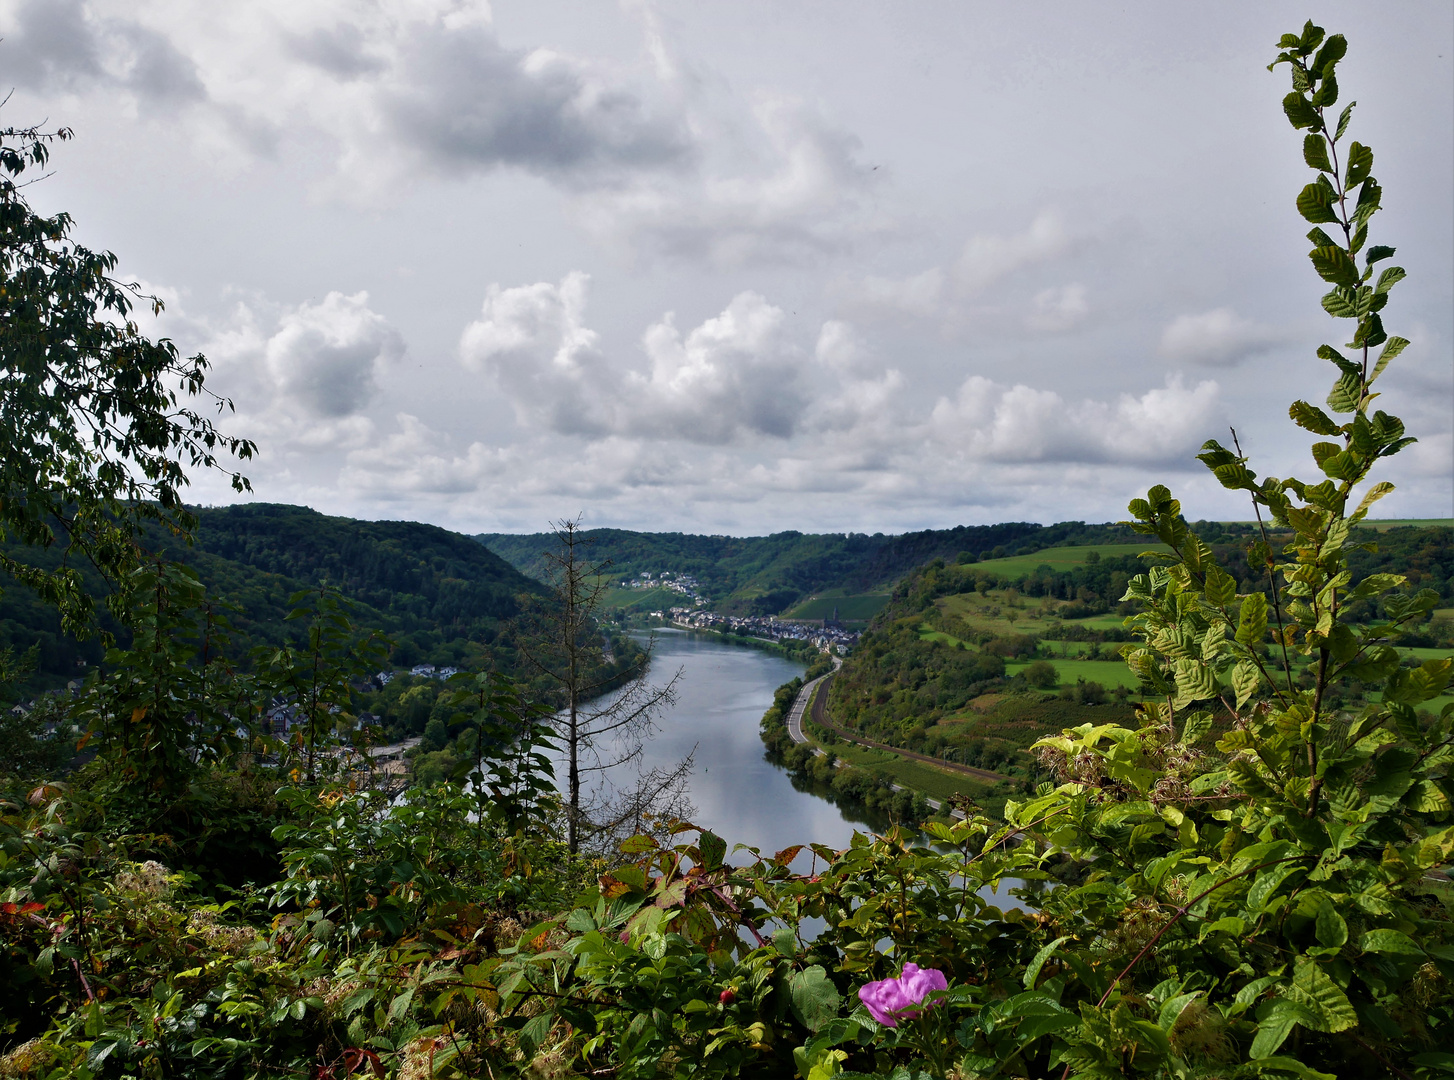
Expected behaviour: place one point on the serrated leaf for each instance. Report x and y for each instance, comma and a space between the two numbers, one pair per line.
1194, 682
1312, 987
1245, 681
1335, 265
1340, 304
1378, 252
1346, 394
815, 1000
1395, 346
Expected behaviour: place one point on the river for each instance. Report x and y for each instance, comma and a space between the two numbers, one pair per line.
738, 794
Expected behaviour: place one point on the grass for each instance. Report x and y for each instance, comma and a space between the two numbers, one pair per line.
857, 608
1108, 673
1064, 558
1003, 613
637, 600
911, 774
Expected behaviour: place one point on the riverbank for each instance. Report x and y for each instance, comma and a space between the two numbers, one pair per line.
806, 741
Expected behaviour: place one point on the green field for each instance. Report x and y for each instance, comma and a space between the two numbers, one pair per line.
638, 600
911, 774
1064, 558
1108, 673
859, 608
1417, 523
1003, 613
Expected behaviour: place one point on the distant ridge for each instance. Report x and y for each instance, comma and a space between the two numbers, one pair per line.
767, 575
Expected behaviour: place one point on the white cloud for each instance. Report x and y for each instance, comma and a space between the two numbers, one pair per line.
1060, 309
531, 341
988, 258
326, 356
738, 375
1217, 338
987, 421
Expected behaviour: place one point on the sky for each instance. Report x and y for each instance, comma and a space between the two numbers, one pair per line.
744, 267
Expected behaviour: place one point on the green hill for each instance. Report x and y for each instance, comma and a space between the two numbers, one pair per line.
769, 575
442, 596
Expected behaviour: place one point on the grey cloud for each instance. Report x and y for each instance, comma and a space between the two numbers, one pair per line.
339, 51
55, 45
467, 102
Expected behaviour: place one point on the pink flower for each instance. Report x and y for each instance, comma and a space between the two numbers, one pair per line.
892, 1000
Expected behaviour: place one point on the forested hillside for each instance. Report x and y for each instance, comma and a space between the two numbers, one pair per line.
766, 575
440, 595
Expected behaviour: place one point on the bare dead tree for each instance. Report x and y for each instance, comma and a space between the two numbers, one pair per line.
607, 714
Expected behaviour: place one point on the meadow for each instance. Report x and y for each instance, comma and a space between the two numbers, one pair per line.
1065, 558
855, 608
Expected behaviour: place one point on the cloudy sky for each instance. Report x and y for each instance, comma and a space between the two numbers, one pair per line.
741, 267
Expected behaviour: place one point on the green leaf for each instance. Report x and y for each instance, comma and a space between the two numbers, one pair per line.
713, 848
1340, 303
1360, 164
1317, 237
1315, 202
534, 1033
1221, 587
1332, 931
1389, 278
1379, 251
1032, 973
1274, 1028
1312, 988
1245, 681
1315, 152
1343, 121
1389, 943
1252, 622
1347, 392
1395, 346
1300, 112
1194, 682
1335, 265
1197, 724
1311, 418
1333, 50
815, 1000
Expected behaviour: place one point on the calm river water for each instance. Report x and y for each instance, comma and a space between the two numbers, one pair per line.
741, 796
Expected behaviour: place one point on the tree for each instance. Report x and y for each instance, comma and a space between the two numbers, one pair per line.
95, 432
607, 708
